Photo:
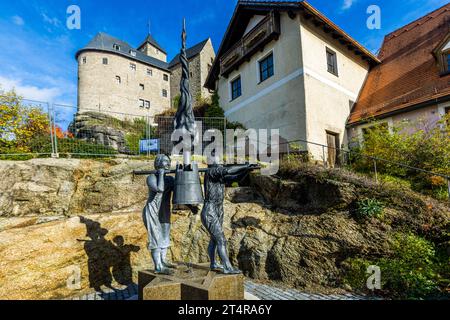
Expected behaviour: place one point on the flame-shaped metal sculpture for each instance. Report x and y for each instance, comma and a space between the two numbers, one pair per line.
184, 118
187, 190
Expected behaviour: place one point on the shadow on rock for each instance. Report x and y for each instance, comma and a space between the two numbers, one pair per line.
107, 259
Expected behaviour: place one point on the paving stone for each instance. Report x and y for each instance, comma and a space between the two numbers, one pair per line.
260, 291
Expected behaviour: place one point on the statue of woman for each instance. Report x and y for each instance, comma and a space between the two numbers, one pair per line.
156, 214
212, 214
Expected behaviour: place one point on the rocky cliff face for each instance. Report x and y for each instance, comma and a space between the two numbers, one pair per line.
69, 186
95, 127
63, 220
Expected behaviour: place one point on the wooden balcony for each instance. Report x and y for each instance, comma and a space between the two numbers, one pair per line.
265, 31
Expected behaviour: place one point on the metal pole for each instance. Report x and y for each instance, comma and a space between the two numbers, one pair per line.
50, 122
448, 186
375, 167
55, 136
225, 135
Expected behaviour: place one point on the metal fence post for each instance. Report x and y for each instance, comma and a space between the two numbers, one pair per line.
224, 135
50, 123
53, 135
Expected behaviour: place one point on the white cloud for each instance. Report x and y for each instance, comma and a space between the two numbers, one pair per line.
28, 91
348, 4
53, 21
17, 20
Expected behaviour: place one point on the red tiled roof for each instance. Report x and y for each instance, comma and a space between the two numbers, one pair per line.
409, 73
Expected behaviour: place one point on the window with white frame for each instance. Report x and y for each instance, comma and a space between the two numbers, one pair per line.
141, 85
149, 72
105, 60
266, 68
236, 89
147, 104
133, 66
133, 53
116, 47
164, 93
118, 80
141, 103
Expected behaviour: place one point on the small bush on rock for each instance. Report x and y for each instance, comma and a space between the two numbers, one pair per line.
369, 208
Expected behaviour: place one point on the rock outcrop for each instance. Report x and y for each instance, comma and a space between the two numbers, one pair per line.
97, 128
70, 186
63, 220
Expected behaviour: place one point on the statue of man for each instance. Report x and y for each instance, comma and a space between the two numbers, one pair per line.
212, 214
156, 214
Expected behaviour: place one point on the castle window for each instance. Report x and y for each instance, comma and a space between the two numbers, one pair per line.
141, 103
332, 62
150, 72
133, 53
166, 77
266, 68
190, 74
105, 60
157, 51
84, 60
147, 104
141, 86
133, 66
116, 47
164, 93
118, 80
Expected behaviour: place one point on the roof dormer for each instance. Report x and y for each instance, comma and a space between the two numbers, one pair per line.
442, 54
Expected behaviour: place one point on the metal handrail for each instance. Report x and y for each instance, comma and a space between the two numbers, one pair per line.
374, 159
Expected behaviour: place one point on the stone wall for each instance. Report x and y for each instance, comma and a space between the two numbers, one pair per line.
198, 69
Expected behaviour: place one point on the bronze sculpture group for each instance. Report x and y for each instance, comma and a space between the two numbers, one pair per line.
187, 190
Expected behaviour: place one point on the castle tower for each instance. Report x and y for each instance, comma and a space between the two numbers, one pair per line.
119, 80
151, 48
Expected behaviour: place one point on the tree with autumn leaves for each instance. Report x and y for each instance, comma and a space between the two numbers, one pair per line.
20, 125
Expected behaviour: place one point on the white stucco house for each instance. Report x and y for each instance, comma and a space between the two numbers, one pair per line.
284, 65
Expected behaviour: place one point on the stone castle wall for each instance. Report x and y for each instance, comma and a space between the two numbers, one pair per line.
154, 52
198, 69
194, 80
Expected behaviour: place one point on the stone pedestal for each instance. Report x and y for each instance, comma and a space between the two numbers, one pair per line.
196, 282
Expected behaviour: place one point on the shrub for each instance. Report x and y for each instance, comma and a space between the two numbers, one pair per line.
369, 208
410, 272
421, 145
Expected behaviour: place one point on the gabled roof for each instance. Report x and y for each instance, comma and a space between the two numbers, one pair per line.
191, 52
409, 75
149, 39
246, 9
104, 43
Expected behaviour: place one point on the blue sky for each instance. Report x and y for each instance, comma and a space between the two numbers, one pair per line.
37, 50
